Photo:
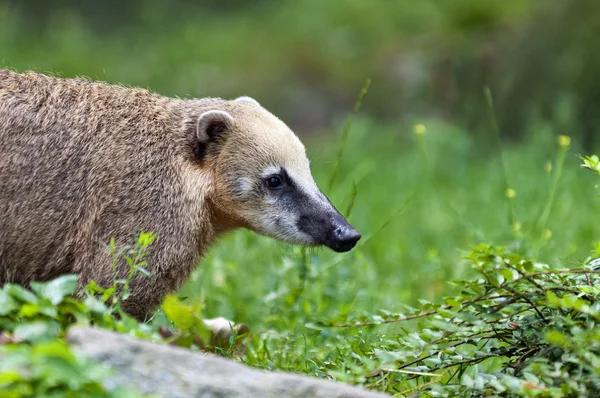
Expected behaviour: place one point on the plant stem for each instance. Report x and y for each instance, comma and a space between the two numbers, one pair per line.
496, 130
345, 131
544, 216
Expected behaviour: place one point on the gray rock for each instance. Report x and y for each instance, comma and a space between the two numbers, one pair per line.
174, 372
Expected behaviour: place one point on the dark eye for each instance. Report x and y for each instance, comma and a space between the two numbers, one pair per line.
274, 182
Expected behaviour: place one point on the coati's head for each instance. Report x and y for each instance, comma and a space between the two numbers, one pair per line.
262, 180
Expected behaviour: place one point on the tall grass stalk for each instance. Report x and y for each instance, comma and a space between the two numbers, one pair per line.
542, 221
352, 200
345, 132
336, 166
429, 174
489, 100
395, 214
397, 211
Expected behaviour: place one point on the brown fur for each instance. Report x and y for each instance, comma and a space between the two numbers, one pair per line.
82, 161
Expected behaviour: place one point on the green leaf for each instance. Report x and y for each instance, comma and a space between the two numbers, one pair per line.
146, 238
46, 308
528, 266
20, 293
93, 288
9, 377
56, 289
108, 293
509, 274
452, 302
496, 280
143, 271
557, 338
7, 303
38, 330
181, 315
54, 349
318, 325
94, 305
29, 310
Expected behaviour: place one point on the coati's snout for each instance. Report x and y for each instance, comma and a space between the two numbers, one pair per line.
332, 231
344, 236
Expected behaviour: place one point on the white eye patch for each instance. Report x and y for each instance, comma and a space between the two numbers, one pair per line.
244, 185
269, 171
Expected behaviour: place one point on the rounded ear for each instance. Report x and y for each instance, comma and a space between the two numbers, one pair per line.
212, 124
247, 99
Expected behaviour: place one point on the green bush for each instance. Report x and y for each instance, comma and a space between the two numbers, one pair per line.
519, 329
34, 358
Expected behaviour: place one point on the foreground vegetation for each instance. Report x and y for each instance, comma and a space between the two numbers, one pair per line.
520, 320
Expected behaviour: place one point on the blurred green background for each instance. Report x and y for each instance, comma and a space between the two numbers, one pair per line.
418, 199
306, 60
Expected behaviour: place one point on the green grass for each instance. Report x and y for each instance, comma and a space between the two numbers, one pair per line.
410, 248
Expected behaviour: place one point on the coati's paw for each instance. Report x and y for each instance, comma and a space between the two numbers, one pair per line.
223, 329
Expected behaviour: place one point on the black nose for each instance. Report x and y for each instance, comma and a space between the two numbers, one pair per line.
345, 238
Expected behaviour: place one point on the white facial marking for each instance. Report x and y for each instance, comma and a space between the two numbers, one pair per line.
244, 185
269, 171
304, 181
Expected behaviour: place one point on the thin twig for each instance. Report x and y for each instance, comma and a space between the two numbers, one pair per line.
482, 298
523, 275
476, 360
419, 387
406, 365
499, 337
524, 297
519, 363
442, 340
399, 319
